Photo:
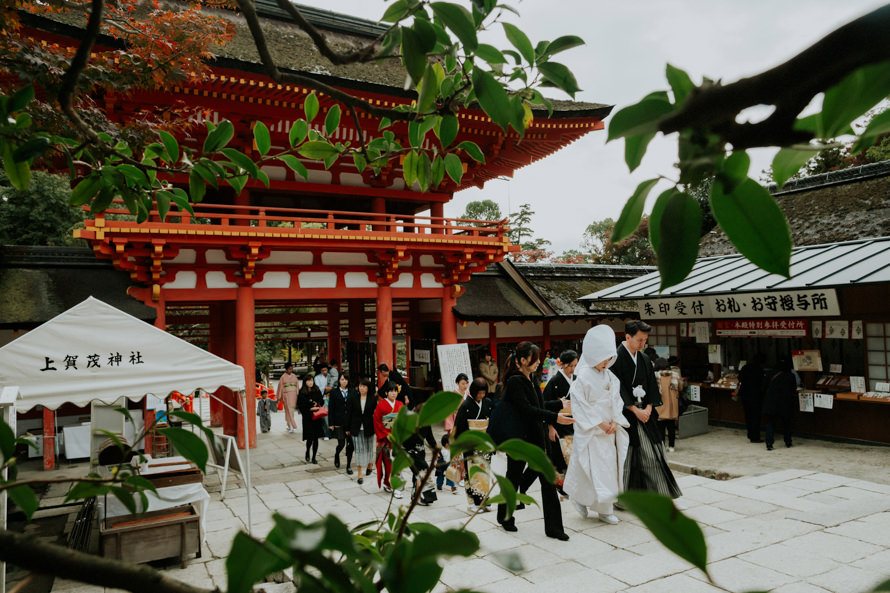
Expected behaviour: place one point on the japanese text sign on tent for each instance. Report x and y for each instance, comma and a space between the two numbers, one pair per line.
796, 303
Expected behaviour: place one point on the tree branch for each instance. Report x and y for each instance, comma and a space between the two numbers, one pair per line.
78, 63
248, 10
789, 86
35, 555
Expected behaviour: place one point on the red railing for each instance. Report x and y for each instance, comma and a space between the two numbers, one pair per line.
301, 221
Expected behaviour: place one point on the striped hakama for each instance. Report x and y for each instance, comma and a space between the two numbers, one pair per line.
365, 447
646, 467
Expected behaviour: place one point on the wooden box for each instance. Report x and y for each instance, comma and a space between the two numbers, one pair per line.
173, 471
155, 535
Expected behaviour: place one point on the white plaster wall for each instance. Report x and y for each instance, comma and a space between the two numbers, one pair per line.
357, 280
184, 279
344, 259
515, 329
289, 258
274, 280
429, 281
216, 256
318, 279
404, 281
186, 256
218, 280
472, 331
427, 261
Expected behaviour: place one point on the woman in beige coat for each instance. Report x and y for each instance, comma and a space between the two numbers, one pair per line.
670, 384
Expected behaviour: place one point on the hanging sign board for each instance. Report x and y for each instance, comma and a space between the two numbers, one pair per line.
454, 359
776, 328
792, 303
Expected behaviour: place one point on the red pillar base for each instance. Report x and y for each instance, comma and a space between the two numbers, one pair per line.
49, 439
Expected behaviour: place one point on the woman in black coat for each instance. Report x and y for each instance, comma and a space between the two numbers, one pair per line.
310, 399
536, 425
359, 426
337, 406
779, 402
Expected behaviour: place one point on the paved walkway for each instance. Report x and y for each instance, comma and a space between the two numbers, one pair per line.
811, 519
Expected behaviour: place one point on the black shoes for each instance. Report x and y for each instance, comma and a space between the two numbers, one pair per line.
769, 447
337, 461
348, 471
509, 526
563, 537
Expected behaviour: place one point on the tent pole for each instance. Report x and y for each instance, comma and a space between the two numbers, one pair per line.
247, 463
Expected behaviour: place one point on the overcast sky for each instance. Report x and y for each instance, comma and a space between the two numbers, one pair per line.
628, 45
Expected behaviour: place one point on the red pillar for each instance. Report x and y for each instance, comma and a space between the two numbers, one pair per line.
448, 329
437, 212
492, 341
245, 354
334, 350
356, 321
148, 417
222, 343
378, 206
384, 326
546, 323
161, 308
49, 439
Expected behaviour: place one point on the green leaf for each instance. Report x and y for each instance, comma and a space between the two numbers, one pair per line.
788, 161
317, 150
31, 149
680, 83
655, 217
560, 76
454, 167
249, 562
520, 41
424, 165
676, 531
736, 166
853, 96
632, 212
413, 57
183, 204
681, 220
84, 490
506, 496
219, 137
755, 224
561, 44
460, 21
403, 426
262, 138
428, 89
7, 441
171, 146
448, 130
197, 189
360, 161
310, 107
395, 12
438, 407
25, 499
163, 200
536, 459
641, 118
490, 54
635, 148
332, 120
472, 440
409, 169
437, 172
298, 132
885, 586
237, 183
880, 124
243, 161
414, 134
473, 150
19, 174
205, 173
426, 34
187, 444
195, 421
492, 97
296, 166
20, 99
453, 542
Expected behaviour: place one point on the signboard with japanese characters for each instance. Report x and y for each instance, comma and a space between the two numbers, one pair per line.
796, 303
775, 328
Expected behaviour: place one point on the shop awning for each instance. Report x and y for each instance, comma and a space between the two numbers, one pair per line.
96, 352
831, 265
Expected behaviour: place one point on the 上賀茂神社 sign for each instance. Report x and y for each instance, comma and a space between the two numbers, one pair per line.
791, 303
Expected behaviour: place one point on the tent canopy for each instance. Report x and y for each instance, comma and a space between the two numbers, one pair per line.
96, 352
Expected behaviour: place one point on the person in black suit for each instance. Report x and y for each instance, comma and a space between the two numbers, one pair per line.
309, 399
536, 425
645, 467
359, 425
556, 393
337, 406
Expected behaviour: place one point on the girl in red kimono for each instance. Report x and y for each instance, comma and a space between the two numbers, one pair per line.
387, 405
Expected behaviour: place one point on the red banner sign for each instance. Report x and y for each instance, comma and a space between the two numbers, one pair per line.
775, 328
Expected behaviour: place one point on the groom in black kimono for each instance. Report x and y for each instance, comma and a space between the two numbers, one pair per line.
646, 467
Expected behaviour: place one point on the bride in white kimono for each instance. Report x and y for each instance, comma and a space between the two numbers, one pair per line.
594, 477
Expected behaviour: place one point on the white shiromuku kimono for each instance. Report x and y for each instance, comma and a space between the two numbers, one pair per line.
594, 477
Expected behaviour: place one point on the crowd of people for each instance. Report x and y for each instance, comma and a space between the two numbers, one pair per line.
611, 401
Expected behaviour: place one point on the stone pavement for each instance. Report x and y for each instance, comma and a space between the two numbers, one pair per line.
783, 526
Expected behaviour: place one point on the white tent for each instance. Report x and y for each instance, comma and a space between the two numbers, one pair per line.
96, 352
